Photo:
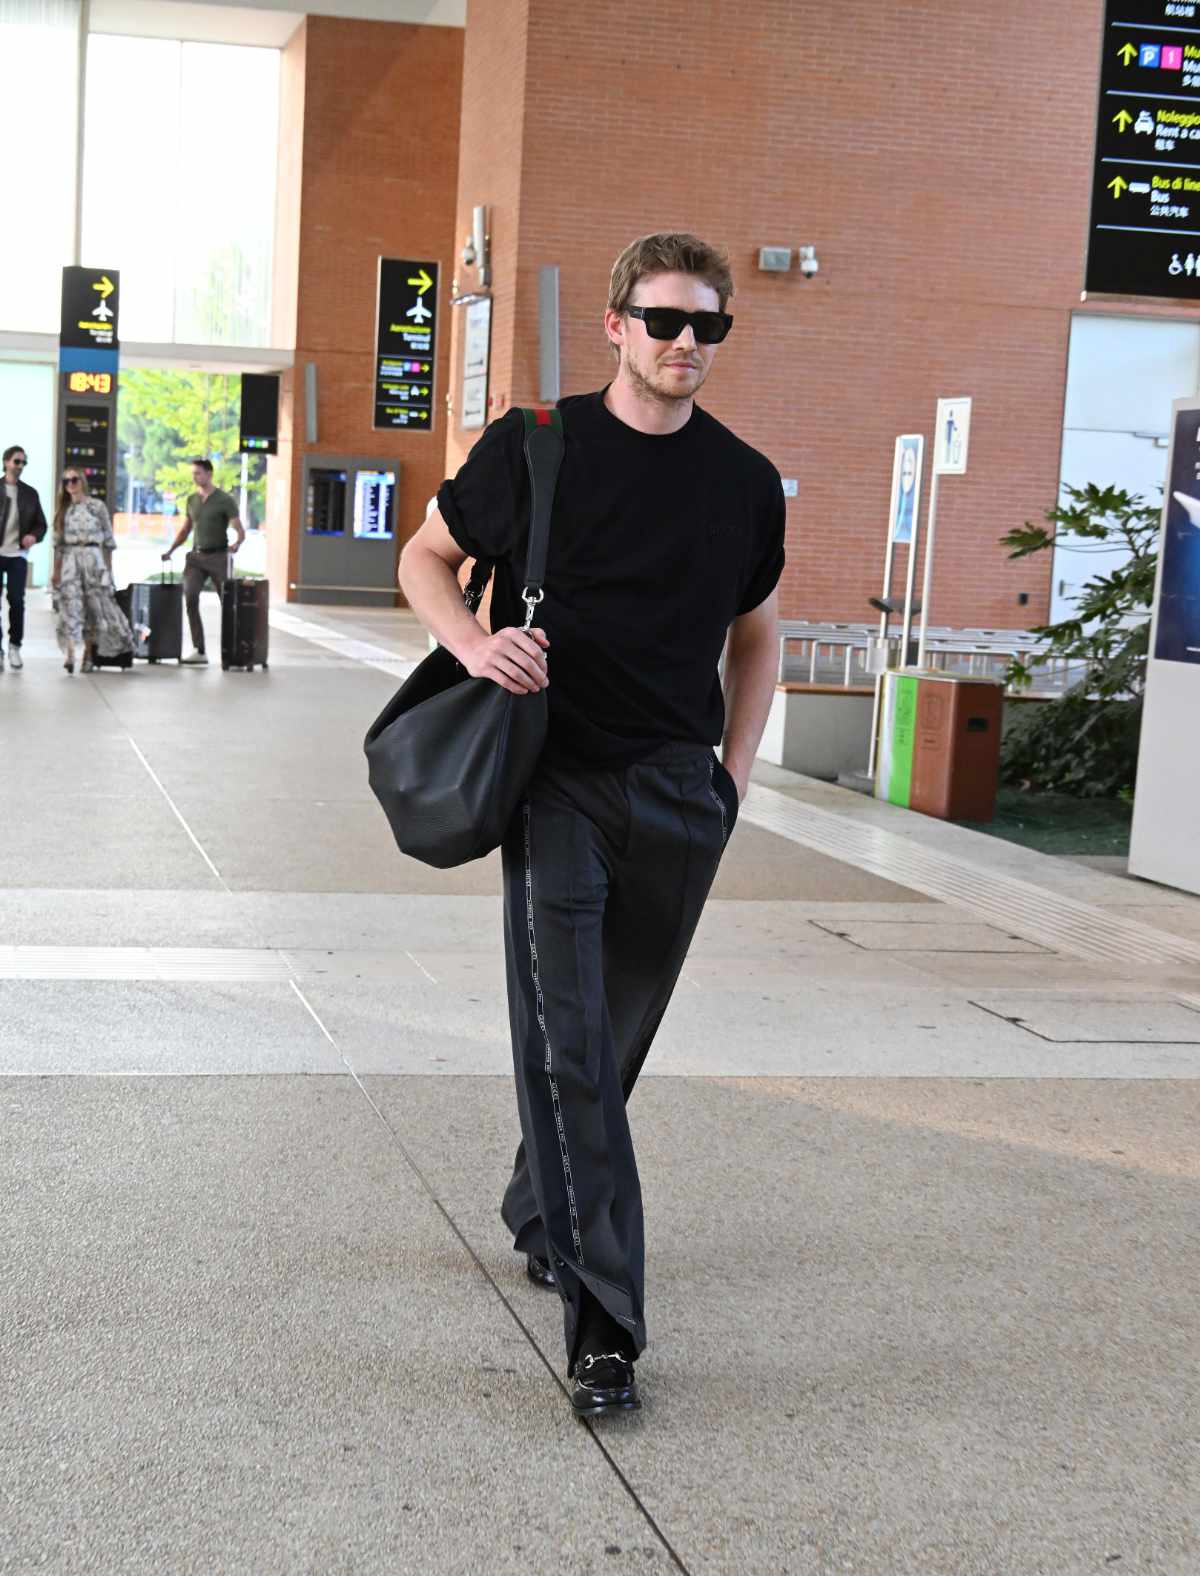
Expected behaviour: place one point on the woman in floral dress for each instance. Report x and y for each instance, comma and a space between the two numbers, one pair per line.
85, 609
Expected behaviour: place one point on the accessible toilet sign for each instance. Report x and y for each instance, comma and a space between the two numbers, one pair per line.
405, 343
1144, 237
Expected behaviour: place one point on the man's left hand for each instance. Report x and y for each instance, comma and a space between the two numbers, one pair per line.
28, 541
741, 779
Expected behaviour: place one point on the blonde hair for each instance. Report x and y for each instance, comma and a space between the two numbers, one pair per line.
668, 253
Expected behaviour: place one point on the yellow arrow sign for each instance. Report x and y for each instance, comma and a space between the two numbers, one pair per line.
423, 282
1122, 119
1126, 54
105, 286
1117, 185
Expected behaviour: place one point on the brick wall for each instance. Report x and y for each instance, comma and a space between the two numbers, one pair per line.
492, 126
378, 134
937, 155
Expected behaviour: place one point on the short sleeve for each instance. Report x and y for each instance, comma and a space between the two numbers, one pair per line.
767, 565
480, 504
231, 507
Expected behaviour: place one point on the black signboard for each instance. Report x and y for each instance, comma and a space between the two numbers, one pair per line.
258, 422
86, 434
1145, 226
90, 302
406, 343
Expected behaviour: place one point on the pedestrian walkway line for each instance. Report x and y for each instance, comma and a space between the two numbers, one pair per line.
1065, 924
176, 811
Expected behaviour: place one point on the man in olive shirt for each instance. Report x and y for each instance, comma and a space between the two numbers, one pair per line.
210, 513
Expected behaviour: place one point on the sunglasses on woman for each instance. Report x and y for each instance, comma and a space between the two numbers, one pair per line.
70, 481
668, 322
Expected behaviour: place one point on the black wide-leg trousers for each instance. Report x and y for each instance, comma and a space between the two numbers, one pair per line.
605, 877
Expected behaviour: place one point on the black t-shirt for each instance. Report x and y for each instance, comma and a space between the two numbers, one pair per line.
657, 543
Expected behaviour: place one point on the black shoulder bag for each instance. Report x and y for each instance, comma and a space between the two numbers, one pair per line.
450, 756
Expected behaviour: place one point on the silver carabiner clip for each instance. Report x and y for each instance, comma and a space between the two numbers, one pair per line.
531, 600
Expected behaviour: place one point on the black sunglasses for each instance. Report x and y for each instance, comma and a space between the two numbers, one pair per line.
668, 322
67, 480
18, 462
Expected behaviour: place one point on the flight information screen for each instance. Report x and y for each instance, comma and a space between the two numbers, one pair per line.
374, 496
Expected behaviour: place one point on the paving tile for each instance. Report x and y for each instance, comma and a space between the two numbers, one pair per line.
236, 1335
105, 1027
975, 972
928, 936
1067, 1020
908, 1337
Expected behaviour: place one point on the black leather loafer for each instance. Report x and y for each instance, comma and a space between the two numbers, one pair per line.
604, 1383
539, 1271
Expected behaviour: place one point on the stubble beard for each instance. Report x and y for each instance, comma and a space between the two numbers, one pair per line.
660, 394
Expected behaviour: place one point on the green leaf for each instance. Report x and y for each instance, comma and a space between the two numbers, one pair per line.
1085, 742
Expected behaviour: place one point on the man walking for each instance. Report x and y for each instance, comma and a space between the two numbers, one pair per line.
210, 514
667, 540
22, 524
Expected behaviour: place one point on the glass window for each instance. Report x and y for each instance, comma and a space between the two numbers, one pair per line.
180, 147
39, 47
27, 418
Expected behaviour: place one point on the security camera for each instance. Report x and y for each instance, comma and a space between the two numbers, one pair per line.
808, 261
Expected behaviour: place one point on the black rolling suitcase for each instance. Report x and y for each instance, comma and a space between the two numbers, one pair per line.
156, 615
245, 608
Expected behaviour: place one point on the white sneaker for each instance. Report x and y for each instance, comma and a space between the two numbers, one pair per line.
196, 660
14, 658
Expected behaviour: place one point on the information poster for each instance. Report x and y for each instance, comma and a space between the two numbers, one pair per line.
477, 342
1177, 635
1163, 843
406, 343
906, 486
1144, 237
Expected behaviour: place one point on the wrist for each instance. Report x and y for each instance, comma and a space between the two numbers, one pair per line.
737, 769
466, 642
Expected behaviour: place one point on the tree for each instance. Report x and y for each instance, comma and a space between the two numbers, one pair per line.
1086, 741
166, 418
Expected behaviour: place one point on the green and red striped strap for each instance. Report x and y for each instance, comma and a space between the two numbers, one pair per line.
535, 418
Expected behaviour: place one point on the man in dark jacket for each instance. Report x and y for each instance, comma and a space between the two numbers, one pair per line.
22, 524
